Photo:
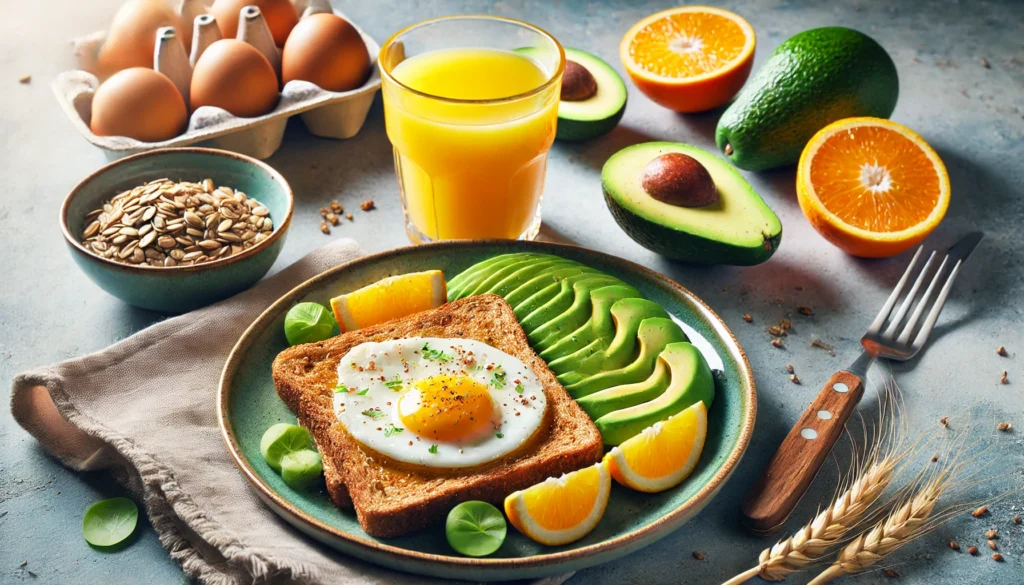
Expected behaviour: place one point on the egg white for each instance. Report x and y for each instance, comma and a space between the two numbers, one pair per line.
363, 377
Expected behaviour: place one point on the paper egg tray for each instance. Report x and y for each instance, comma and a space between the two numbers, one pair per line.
325, 113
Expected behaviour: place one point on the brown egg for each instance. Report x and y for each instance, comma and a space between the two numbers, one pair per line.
327, 50
235, 76
132, 35
139, 103
279, 14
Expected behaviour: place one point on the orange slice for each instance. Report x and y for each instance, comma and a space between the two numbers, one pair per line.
391, 298
662, 455
691, 58
563, 509
871, 186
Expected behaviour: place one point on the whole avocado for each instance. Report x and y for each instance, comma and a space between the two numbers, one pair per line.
811, 80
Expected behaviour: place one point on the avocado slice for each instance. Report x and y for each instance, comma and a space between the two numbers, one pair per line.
593, 96
691, 381
739, 228
542, 281
811, 80
654, 335
616, 352
615, 398
470, 277
599, 328
523, 273
549, 325
555, 299
491, 278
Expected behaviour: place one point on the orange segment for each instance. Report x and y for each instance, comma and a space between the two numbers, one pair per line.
871, 186
691, 58
663, 455
563, 509
390, 298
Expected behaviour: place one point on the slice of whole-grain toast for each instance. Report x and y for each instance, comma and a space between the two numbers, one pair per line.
392, 499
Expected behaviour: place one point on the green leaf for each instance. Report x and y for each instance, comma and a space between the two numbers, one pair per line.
519, 388
391, 429
433, 449
500, 436
374, 414
109, 522
308, 323
475, 528
394, 383
363, 392
340, 388
498, 380
435, 354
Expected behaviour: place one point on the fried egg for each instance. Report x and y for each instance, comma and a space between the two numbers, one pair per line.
438, 402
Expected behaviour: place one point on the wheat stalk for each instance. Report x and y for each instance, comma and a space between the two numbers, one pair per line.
870, 477
905, 523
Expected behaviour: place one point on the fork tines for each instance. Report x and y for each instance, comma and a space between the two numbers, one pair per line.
898, 333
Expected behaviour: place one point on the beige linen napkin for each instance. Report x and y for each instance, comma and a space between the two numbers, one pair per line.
145, 409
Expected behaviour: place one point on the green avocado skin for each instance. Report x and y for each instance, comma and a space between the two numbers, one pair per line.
687, 247
811, 80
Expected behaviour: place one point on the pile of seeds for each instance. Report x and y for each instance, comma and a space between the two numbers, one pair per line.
164, 224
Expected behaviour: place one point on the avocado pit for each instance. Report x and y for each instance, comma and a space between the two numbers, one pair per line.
677, 179
578, 83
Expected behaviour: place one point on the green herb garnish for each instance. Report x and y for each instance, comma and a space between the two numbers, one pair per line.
340, 388
519, 388
363, 391
433, 449
394, 383
373, 413
392, 429
498, 380
500, 436
435, 354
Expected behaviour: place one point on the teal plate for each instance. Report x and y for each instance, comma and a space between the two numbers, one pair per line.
248, 405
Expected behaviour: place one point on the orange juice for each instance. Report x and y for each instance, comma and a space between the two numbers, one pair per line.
471, 128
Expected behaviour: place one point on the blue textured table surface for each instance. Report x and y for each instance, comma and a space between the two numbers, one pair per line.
961, 67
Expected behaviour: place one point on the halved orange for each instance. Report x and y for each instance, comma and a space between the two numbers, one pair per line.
390, 298
871, 186
691, 58
560, 510
662, 455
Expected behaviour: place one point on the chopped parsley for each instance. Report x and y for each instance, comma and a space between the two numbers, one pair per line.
392, 429
500, 436
519, 388
340, 388
363, 391
433, 449
498, 379
394, 383
373, 413
435, 354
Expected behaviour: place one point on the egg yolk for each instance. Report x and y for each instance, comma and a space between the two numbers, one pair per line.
446, 408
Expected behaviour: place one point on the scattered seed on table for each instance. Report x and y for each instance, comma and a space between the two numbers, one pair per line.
1005, 379
334, 219
325, 228
698, 555
789, 368
944, 421
367, 205
980, 512
348, 216
786, 324
992, 534
891, 573
997, 557
25, 78
992, 545
984, 63
954, 545
336, 207
972, 550
934, 459
777, 343
323, 212
794, 379
804, 310
822, 345
776, 331
747, 318
1002, 351
1004, 426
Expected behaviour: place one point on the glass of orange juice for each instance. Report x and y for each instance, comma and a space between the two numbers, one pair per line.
471, 105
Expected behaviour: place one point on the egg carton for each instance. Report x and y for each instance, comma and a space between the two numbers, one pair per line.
328, 114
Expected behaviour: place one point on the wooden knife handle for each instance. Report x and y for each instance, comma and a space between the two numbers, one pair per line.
801, 454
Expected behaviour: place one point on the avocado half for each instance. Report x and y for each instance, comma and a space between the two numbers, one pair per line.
598, 114
738, 229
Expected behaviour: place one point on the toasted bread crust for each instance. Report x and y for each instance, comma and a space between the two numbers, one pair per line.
391, 499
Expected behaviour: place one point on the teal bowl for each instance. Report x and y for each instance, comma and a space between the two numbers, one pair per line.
180, 288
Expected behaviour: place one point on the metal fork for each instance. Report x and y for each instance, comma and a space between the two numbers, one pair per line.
893, 336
